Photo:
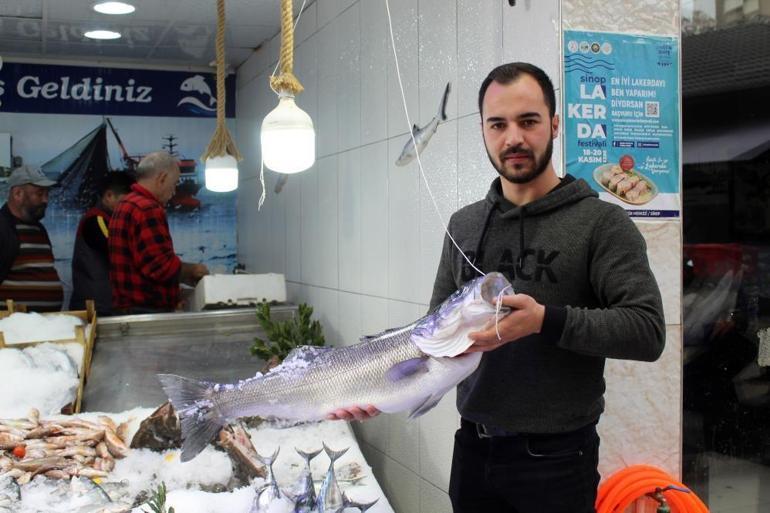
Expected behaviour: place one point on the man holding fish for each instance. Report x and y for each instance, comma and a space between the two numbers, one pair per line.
584, 292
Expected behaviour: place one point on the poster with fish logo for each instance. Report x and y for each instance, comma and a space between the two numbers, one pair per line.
621, 119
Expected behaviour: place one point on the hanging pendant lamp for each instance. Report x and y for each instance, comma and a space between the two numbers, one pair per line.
221, 157
287, 136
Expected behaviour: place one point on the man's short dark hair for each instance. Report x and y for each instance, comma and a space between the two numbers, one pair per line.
119, 182
511, 72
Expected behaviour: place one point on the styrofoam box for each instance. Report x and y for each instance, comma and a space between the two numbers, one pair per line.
238, 290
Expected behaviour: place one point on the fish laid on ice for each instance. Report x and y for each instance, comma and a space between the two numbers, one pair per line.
404, 369
423, 135
304, 501
269, 492
330, 499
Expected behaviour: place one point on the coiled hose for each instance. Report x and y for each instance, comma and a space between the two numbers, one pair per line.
632, 483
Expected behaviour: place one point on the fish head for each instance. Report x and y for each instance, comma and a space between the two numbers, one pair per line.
444, 331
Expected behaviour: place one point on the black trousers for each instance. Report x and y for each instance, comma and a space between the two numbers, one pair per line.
524, 473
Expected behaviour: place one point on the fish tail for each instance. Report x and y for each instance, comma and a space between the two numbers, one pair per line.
362, 506
334, 455
308, 456
192, 401
442, 110
268, 461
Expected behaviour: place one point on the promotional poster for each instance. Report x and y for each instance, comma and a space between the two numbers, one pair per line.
621, 121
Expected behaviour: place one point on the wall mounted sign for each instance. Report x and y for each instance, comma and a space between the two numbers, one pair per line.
51, 89
621, 119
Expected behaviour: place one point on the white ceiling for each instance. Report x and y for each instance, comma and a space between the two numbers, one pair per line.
159, 32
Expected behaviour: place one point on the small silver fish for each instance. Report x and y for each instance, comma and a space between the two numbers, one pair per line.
362, 506
305, 500
404, 369
269, 492
423, 135
330, 497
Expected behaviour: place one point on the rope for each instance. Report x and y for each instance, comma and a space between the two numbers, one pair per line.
286, 82
221, 143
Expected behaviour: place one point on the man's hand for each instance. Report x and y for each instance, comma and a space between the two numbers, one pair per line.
190, 274
354, 413
525, 319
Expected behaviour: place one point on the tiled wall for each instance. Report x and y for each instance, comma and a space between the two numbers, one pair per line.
357, 236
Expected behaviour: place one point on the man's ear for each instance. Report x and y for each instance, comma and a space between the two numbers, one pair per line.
555, 126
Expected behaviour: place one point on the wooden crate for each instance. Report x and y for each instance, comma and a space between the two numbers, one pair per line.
84, 337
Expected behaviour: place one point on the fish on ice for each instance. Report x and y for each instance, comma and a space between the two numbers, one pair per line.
422, 135
403, 369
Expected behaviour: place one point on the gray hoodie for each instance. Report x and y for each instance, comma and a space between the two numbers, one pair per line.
585, 260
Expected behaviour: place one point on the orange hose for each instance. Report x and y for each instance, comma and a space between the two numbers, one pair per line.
633, 483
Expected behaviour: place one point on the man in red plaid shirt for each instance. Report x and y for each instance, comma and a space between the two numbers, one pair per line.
145, 273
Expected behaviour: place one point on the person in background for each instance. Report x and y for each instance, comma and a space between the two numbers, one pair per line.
584, 292
145, 273
90, 257
27, 272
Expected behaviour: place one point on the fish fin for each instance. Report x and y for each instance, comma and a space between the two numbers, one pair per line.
415, 130
265, 460
442, 108
334, 455
200, 424
308, 456
402, 370
428, 404
389, 331
362, 506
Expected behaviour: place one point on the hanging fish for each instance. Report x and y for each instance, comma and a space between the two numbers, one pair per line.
423, 135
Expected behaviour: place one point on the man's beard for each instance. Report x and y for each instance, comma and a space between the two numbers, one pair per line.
36, 213
539, 164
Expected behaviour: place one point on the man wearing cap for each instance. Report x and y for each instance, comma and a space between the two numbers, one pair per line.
27, 272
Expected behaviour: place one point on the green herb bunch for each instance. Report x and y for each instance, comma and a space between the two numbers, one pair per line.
284, 336
157, 502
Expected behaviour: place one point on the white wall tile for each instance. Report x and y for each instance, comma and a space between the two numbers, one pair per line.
374, 219
403, 227
531, 34
349, 319
479, 48
349, 234
439, 161
375, 432
642, 419
327, 251
474, 171
327, 140
348, 78
374, 315
404, 440
402, 486
433, 499
293, 204
308, 23
310, 224
306, 71
325, 303
404, 14
437, 57
437, 432
375, 55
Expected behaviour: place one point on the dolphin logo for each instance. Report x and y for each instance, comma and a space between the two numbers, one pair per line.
198, 84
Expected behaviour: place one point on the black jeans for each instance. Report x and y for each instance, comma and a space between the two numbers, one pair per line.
525, 473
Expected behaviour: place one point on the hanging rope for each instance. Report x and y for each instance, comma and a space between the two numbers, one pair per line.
221, 143
286, 82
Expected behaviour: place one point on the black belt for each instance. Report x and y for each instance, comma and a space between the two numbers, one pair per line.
487, 431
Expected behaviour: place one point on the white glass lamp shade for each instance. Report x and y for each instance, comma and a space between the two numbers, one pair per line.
288, 138
221, 173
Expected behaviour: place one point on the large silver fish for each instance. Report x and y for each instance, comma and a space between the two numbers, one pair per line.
269, 492
423, 135
330, 498
404, 369
304, 501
